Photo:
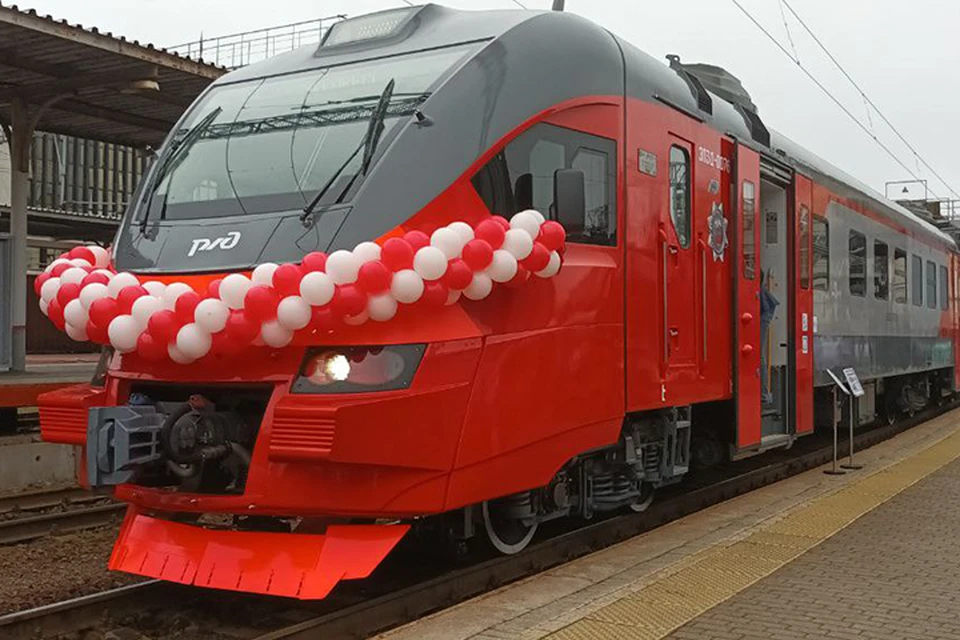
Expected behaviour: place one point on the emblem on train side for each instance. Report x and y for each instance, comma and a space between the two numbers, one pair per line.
225, 243
717, 224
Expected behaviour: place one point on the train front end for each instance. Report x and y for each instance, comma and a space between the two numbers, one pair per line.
296, 305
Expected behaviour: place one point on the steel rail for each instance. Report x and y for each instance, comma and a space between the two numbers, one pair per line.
17, 530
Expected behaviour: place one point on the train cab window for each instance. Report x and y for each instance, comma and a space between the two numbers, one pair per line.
858, 264
931, 284
916, 280
804, 247
680, 194
821, 254
748, 225
900, 276
944, 288
881, 271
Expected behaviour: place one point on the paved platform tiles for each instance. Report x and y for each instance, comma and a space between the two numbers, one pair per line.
866, 555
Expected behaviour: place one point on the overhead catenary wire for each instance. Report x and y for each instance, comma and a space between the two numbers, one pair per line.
867, 99
827, 92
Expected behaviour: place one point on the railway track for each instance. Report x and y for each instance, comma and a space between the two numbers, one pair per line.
401, 594
30, 516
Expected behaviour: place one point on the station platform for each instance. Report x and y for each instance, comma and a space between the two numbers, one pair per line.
870, 555
44, 373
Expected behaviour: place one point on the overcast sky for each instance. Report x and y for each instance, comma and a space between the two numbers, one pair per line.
903, 54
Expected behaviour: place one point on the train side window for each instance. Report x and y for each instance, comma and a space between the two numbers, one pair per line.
821, 254
916, 280
931, 284
680, 194
899, 276
521, 177
749, 224
858, 263
804, 247
944, 288
881, 271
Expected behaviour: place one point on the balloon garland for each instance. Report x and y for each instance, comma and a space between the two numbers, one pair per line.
84, 296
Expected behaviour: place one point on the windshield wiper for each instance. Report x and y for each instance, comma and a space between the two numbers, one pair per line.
368, 145
174, 158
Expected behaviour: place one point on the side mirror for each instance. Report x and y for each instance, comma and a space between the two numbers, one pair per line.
569, 199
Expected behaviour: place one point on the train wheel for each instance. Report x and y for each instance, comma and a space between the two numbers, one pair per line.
507, 534
645, 499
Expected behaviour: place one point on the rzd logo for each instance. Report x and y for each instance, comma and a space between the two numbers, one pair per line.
226, 243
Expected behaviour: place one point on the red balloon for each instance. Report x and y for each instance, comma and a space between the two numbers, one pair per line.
458, 275
552, 235
261, 302
185, 306
314, 261
83, 253
374, 277
90, 278
58, 270
478, 254
55, 313
503, 222
286, 279
491, 232
240, 329
223, 344
434, 294
213, 289
163, 325
129, 295
67, 292
103, 310
538, 258
349, 301
149, 348
97, 333
39, 280
397, 254
416, 239
322, 318
522, 275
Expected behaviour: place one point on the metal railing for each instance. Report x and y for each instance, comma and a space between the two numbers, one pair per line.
240, 49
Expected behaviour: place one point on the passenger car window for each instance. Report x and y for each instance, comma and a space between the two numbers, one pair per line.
749, 242
804, 247
931, 284
522, 177
857, 246
881, 270
821, 254
680, 194
916, 279
944, 288
900, 276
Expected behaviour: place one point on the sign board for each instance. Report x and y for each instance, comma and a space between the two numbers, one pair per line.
838, 381
853, 381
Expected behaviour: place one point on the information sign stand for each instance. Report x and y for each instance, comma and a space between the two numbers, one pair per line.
856, 390
834, 471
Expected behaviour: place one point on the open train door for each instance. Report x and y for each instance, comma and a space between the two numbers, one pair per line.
746, 299
803, 321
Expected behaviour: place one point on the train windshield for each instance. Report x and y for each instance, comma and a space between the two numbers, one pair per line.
273, 144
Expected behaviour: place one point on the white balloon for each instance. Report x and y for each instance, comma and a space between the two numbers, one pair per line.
263, 274
233, 289
105, 272
382, 307
73, 275
78, 333
75, 314
407, 286
80, 262
448, 241
317, 288
367, 252
480, 287
463, 230
536, 214
91, 292
49, 289
503, 267
452, 297
172, 292
44, 307
123, 333
193, 341
527, 221
552, 267
56, 262
178, 356
144, 307
211, 314
430, 262
275, 335
518, 242
343, 266
293, 313
121, 281
154, 288
357, 320
101, 255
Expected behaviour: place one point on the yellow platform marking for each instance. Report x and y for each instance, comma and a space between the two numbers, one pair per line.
678, 595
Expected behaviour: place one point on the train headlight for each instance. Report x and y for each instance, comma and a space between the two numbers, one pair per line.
358, 369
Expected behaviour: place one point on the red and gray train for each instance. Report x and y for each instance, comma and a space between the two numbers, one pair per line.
646, 355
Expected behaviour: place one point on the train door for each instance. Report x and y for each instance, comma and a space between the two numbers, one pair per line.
803, 294
746, 381
776, 288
